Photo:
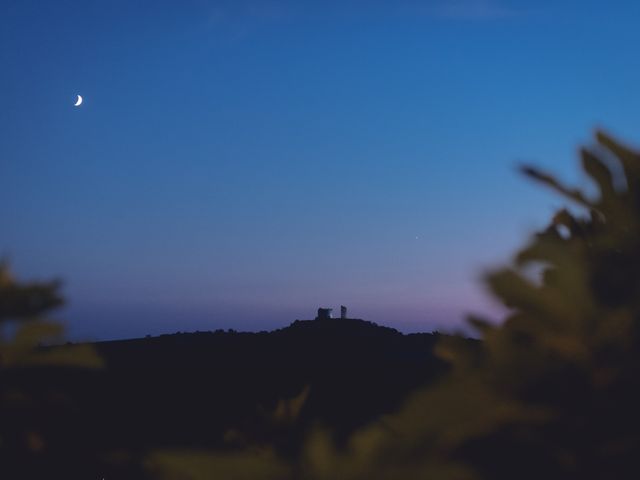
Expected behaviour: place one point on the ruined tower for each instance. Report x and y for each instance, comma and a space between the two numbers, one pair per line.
324, 313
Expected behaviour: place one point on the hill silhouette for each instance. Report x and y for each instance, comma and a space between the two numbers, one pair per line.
223, 389
354, 370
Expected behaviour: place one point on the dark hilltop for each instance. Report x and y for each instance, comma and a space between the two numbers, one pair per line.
218, 389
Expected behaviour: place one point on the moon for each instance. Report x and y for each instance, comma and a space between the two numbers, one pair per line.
78, 101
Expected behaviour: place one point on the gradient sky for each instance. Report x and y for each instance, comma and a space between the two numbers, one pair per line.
238, 164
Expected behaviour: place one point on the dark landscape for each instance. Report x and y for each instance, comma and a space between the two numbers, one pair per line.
554, 386
189, 189
220, 390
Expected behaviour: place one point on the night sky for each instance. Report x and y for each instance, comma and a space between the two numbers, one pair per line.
239, 164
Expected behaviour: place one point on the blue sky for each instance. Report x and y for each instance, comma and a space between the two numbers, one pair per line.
238, 164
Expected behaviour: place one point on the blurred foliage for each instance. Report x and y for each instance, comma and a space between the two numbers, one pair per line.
27, 400
551, 392
246, 458
288, 410
19, 301
193, 465
25, 304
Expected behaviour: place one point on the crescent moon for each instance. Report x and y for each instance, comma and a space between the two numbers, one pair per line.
78, 101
